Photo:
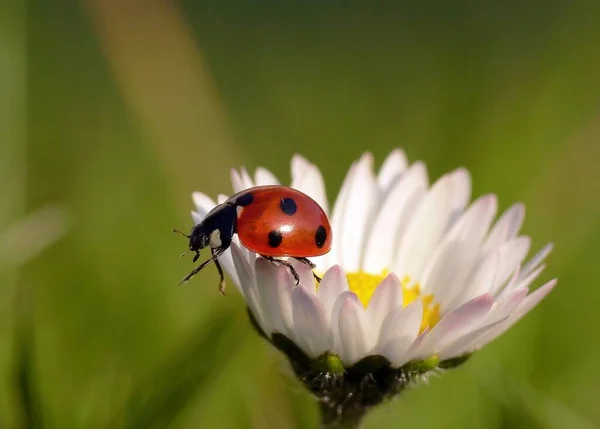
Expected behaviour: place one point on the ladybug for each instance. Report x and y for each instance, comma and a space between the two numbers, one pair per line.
273, 221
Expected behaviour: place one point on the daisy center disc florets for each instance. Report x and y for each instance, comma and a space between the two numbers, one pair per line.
364, 285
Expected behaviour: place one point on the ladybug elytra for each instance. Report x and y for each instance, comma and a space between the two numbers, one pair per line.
273, 221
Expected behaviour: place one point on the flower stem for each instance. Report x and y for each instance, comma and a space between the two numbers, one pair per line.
344, 394
340, 417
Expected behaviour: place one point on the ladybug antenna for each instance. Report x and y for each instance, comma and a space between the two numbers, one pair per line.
176, 231
184, 253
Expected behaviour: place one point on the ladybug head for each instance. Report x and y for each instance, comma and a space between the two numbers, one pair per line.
215, 230
199, 238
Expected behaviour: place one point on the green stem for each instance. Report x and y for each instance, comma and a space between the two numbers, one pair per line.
347, 416
344, 394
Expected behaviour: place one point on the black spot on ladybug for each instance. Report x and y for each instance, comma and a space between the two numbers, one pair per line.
275, 238
320, 236
245, 200
288, 206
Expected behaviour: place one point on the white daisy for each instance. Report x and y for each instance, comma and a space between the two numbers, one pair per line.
415, 272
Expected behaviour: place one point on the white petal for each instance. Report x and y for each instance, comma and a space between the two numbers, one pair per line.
244, 251
396, 350
307, 279
221, 198
387, 297
310, 323
511, 284
246, 179
480, 282
511, 254
498, 314
399, 332
461, 192
252, 257
506, 228
507, 305
299, 166
333, 283
414, 347
402, 321
275, 288
236, 181
337, 218
455, 324
203, 203
248, 255
196, 217
526, 281
352, 330
392, 217
534, 299
249, 287
526, 305
475, 222
452, 261
462, 345
307, 178
263, 177
241, 180
534, 262
447, 272
391, 169
429, 222
356, 214
335, 318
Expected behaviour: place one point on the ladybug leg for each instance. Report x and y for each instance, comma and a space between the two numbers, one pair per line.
195, 271
306, 261
200, 267
220, 270
286, 264
311, 265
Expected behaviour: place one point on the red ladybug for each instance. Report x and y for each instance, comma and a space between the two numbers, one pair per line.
273, 221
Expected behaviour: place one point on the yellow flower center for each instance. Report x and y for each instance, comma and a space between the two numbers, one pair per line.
364, 284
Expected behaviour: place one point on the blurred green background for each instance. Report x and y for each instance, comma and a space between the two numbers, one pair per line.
114, 111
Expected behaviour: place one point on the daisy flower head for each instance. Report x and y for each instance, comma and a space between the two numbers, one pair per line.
417, 279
